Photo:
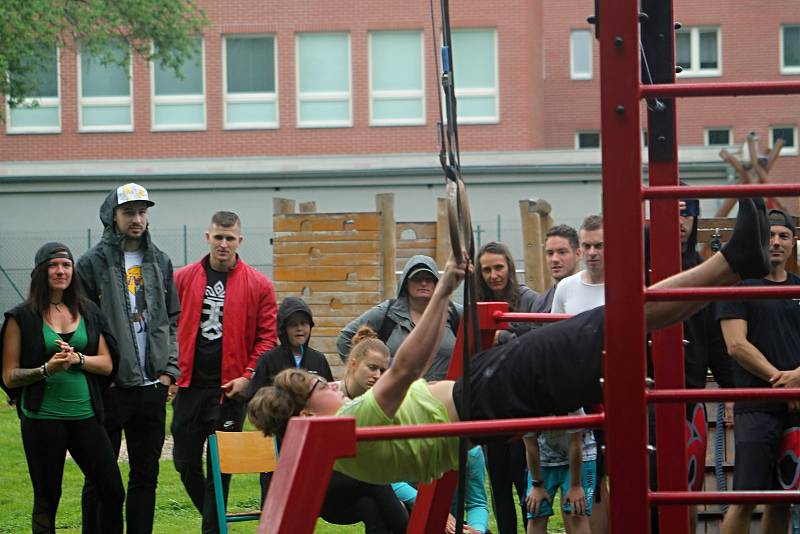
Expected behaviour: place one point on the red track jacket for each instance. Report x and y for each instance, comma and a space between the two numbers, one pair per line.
248, 329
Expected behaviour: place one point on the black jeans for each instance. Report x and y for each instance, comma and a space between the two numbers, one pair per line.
505, 462
349, 501
46, 442
141, 413
197, 413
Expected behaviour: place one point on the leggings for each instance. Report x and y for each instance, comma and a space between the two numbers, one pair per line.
350, 501
46, 442
505, 462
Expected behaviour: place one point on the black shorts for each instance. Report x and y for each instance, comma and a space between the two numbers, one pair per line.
548, 371
758, 437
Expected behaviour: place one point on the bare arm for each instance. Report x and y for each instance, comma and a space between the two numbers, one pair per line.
537, 495
734, 331
415, 353
13, 375
575, 494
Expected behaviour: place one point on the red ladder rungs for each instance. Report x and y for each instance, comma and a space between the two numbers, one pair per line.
713, 497
721, 293
719, 89
720, 191
664, 396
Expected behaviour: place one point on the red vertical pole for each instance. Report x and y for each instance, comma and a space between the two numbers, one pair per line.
626, 410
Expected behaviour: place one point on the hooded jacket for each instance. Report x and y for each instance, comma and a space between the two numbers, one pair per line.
399, 312
281, 357
248, 328
102, 273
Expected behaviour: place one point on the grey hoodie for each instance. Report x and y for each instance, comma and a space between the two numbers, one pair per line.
400, 313
102, 273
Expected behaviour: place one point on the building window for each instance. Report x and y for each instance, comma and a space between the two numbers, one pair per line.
587, 140
698, 51
179, 103
41, 111
718, 137
789, 136
396, 73
251, 99
580, 56
790, 49
475, 69
323, 80
105, 90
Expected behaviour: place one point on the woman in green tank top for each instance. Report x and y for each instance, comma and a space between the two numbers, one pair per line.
57, 387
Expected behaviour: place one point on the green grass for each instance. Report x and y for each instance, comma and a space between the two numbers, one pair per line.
174, 511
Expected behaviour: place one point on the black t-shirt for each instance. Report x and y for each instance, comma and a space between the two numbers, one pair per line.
773, 327
207, 370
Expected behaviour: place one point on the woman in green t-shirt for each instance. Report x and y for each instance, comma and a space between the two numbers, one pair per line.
55, 354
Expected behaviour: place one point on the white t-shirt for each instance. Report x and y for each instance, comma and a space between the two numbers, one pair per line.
138, 315
574, 295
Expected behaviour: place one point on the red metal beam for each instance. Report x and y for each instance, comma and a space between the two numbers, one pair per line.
719, 89
711, 497
479, 428
624, 363
721, 293
520, 317
721, 191
732, 394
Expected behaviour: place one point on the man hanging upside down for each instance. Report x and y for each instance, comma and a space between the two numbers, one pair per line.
528, 377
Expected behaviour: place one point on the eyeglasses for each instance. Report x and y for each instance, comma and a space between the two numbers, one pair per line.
321, 382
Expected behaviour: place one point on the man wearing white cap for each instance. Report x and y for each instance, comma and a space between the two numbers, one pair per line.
131, 280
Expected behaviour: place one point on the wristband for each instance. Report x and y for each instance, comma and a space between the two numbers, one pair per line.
537, 483
44, 372
82, 359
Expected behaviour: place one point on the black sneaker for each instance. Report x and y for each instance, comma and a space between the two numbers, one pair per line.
747, 251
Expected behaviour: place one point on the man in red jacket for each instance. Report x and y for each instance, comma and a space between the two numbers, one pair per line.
228, 316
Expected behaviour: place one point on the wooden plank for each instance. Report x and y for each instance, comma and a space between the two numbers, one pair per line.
332, 274
325, 344
422, 230
304, 260
344, 235
334, 300
535, 219
296, 288
347, 310
415, 244
281, 206
323, 247
388, 239
315, 222
443, 248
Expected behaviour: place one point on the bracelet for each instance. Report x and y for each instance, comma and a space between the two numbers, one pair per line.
537, 483
82, 359
44, 372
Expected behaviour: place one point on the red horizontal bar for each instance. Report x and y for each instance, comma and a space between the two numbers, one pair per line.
722, 394
720, 191
479, 428
719, 89
711, 497
515, 317
721, 293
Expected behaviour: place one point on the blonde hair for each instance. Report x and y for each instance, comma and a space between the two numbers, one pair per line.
364, 341
271, 407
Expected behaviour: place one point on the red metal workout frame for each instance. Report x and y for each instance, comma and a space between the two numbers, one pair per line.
312, 444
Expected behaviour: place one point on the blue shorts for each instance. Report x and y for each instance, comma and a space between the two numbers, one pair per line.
558, 477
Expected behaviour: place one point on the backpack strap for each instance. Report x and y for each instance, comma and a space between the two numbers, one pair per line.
387, 325
453, 318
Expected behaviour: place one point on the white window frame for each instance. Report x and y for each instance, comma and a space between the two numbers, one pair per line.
46, 102
706, 136
578, 136
792, 69
397, 94
179, 99
694, 53
786, 150
263, 98
572, 73
484, 119
105, 101
324, 96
